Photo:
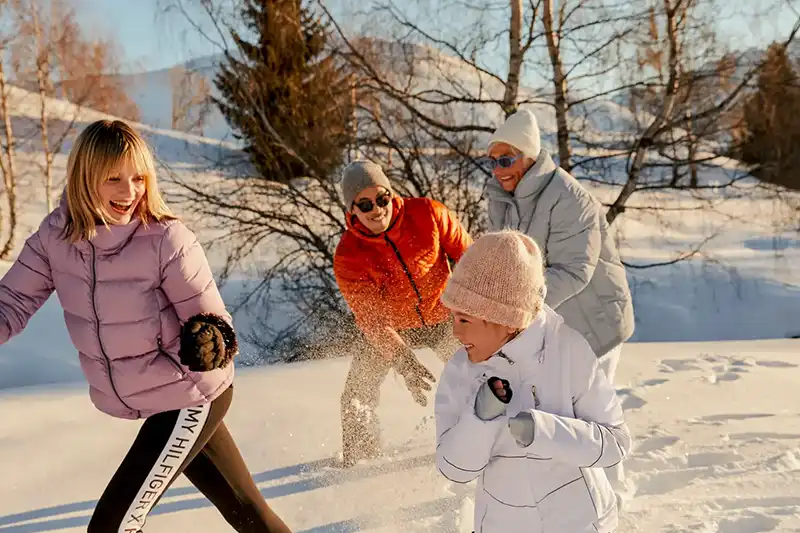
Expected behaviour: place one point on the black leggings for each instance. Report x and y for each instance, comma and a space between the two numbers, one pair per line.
194, 442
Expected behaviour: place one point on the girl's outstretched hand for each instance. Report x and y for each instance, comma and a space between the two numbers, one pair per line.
208, 342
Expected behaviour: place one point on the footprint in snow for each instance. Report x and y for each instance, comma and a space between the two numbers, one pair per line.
718, 369
753, 523
678, 365
654, 382
658, 443
789, 503
699, 466
776, 364
718, 420
630, 400
756, 436
666, 481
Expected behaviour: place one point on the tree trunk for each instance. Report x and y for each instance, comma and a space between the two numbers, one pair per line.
514, 59
43, 78
559, 83
647, 139
693, 180
9, 176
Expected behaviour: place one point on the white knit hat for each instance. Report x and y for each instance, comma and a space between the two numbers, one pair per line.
521, 131
500, 279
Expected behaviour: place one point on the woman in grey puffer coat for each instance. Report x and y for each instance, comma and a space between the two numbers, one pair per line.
585, 279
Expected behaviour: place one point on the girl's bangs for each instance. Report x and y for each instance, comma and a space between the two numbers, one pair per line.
140, 160
126, 152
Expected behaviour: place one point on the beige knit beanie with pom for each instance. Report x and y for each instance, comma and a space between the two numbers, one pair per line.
500, 279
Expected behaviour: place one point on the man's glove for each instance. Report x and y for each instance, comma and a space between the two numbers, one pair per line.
492, 398
208, 342
415, 374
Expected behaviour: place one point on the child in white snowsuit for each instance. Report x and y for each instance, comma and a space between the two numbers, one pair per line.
523, 406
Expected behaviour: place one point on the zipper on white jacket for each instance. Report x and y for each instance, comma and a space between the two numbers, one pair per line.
504, 356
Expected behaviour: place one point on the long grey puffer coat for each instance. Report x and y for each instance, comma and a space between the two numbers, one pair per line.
586, 282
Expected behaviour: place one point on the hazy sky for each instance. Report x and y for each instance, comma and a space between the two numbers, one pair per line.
147, 41
150, 42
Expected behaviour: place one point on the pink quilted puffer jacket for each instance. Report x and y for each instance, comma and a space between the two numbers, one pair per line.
125, 295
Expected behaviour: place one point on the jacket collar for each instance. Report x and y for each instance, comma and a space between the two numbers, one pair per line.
108, 241
531, 184
357, 228
529, 345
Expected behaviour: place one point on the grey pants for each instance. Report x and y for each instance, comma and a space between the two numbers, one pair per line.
368, 370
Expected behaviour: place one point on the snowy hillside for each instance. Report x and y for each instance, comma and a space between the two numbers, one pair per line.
171, 146
716, 430
65, 120
152, 92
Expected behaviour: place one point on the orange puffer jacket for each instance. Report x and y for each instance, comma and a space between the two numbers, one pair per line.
395, 279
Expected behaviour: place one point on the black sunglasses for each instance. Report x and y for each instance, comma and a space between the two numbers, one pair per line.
365, 205
505, 161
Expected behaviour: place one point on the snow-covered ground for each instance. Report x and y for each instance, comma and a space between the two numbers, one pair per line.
717, 429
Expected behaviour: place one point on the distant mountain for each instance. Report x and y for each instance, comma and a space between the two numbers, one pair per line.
152, 92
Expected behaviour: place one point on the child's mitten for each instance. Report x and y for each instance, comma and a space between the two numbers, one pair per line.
492, 398
208, 342
522, 428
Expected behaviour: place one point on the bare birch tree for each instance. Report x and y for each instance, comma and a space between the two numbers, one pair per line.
8, 167
515, 57
191, 100
42, 54
690, 102
51, 57
559, 84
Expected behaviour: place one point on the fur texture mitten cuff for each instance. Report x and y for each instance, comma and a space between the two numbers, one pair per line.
208, 342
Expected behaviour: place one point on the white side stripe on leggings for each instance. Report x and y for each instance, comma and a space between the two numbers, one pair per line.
186, 432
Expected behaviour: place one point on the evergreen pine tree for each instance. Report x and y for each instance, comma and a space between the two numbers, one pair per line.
284, 75
771, 122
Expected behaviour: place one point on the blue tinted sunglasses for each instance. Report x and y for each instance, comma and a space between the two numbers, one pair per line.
505, 161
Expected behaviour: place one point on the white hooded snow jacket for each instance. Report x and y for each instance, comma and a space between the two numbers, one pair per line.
557, 484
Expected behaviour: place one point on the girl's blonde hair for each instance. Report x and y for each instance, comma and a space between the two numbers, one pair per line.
98, 151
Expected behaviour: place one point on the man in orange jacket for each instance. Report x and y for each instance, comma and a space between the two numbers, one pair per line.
391, 265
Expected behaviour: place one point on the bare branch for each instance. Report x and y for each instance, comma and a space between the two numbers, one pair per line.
681, 257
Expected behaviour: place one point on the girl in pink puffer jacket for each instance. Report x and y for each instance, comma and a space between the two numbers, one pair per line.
154, 338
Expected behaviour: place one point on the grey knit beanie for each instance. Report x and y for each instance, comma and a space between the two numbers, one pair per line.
360, 175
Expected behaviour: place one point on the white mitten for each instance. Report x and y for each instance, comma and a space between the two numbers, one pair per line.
488, 404
522, 428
